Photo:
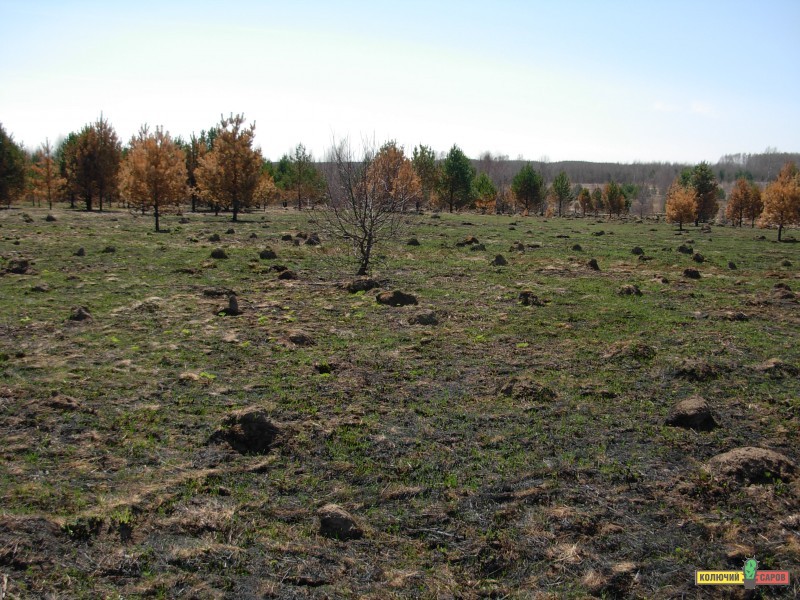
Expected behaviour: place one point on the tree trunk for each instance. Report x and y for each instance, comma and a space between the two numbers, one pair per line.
680, 225
363, 267
780, 231
155, 212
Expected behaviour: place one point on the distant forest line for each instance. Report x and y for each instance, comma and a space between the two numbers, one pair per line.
760, 168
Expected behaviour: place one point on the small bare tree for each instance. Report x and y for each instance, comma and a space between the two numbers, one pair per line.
367, 197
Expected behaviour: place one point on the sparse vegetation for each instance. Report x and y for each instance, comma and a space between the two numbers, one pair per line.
519, 430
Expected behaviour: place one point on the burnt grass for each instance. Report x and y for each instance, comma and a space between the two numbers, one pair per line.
508, 451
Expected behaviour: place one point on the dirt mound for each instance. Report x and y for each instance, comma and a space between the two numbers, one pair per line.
287, 274
528, 298
249, 431
19, 266
301, 338
267, 254
65, 403
313, 240
629, 290
218, 253
731, 265
577, 248
637, 251
731, 315
517, 247
412, 242
427, 317
525, 388
632, 350
592, 264
335, 522
696, 369
396, 298
468, 241
478, 248
698, 258
692, 413
361, 284
691, 273
684, 249
752, 465
777, 368
499, 261
80, 313
27, 542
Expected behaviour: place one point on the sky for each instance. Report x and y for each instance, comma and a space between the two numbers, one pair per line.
615, 81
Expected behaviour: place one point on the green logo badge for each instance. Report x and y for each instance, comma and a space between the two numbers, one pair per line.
750, 568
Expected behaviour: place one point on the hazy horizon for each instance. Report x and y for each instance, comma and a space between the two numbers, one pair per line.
618, 82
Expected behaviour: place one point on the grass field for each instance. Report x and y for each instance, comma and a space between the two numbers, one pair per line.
507, 451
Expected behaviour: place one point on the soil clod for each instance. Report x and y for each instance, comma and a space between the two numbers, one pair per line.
337, 523
629, 290
396, 298
528, 298
692, 413
249, 431
361, 284
468, 241
752, 465
81, 313
427, 317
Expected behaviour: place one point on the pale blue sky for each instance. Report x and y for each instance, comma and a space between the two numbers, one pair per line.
570, 80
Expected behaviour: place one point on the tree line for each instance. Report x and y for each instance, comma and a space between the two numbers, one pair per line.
221, 170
